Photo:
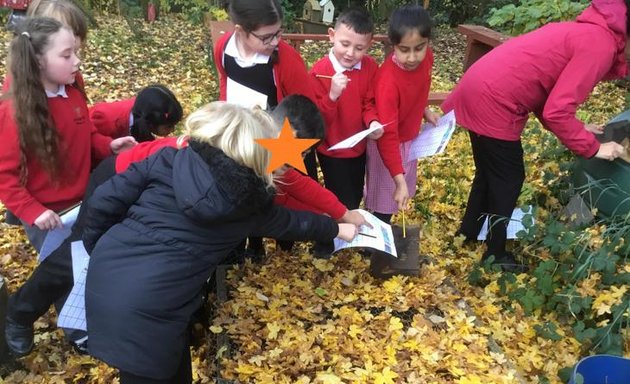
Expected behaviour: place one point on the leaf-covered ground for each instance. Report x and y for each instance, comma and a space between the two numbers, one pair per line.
295, 319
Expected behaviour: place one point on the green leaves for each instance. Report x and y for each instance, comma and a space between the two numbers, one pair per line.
531, 14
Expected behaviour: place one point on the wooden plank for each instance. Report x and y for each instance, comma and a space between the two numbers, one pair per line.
479, 41
483, 34
437, 98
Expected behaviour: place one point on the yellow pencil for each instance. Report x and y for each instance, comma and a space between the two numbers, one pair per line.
404, 231
327, 77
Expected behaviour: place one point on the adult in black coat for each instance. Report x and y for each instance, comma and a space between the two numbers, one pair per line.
156, 232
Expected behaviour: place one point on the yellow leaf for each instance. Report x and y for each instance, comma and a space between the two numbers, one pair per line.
386, 376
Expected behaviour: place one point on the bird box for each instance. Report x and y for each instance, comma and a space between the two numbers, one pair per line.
312, 11
328, 10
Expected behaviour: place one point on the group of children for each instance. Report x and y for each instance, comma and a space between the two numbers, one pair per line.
159, 214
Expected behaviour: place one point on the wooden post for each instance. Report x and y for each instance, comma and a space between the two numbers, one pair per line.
426, 4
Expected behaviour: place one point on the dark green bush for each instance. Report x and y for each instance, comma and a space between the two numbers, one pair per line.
531, 14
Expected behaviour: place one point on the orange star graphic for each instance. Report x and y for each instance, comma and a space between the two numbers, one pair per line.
286, 149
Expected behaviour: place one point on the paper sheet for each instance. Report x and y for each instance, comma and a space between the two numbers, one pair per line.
244, 96
72, 315
514, 226
379, 237
55, 237
356, 138
433, 139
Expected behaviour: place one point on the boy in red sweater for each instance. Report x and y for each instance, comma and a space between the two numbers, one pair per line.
345, 96
402, 93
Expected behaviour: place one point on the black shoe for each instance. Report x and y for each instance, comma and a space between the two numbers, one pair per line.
19, 338
322, 250
80, 347
507, 262
256, 255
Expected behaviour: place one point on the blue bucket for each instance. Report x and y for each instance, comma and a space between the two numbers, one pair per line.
601, 369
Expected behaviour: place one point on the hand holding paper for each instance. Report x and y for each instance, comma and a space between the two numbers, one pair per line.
355, 139
433, 139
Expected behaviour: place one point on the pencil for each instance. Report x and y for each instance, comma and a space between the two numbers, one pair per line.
70, 208
366, 235
327, 77
404, 230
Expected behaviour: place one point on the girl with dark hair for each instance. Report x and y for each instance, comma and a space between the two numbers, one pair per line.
548, 72
255, 56
402, 93
47, 138
153, 112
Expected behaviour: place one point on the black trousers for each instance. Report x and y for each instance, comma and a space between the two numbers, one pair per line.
51, 282
499, 176
310, 162
182, 376
345, 178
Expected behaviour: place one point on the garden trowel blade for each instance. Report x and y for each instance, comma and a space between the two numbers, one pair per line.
383, 265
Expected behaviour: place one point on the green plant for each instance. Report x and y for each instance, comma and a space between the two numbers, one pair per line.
531, 14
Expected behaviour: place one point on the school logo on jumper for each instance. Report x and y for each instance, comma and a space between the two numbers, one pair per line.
286, 149
78, 116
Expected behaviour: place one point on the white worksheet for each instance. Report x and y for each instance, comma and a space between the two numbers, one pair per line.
433, 139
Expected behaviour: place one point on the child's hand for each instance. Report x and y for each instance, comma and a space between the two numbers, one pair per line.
594, 128
48, 220
122, 144
431, 117
347, 231
338, 83
354, 217
610, 151
401, 194
378, 133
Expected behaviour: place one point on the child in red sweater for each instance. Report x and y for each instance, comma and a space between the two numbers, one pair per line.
345, 95
69, 15
255, 57
153, 112
402, 92
48, 140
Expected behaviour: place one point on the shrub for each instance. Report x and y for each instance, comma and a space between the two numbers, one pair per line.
531, 14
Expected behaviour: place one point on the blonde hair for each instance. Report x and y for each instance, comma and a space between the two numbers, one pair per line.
233, 129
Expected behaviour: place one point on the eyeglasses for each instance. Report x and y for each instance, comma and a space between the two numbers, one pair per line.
267, 39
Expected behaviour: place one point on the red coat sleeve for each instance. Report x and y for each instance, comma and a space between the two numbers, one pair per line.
112, 119
13, 194
293, 78
297, 191
219, 48
369, 98
387, 104
590, 63
321, 89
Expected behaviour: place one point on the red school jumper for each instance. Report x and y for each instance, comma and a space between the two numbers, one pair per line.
289, 71
353, 111
295, 190
401, 98
79, 144
112, 119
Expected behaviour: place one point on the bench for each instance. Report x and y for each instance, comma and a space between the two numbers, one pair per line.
218, 28
479, 41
